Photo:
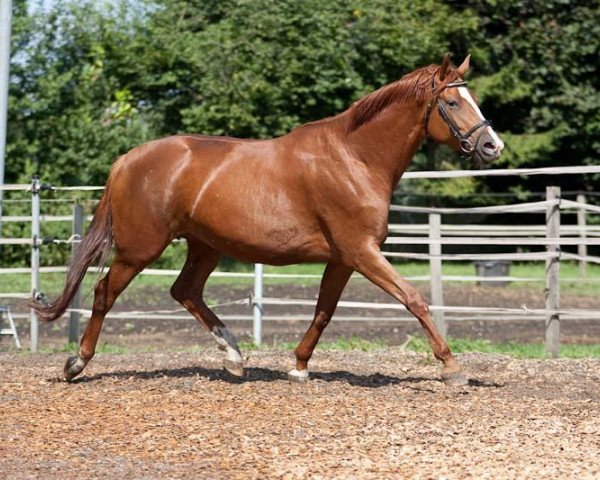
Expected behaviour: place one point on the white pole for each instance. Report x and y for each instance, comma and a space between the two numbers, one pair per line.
258, 308
5, 30
435, 267
582, 247
75, 317
552, 274
35, 258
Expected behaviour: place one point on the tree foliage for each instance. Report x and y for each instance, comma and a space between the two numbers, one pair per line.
540, 81
70, 110
90, 80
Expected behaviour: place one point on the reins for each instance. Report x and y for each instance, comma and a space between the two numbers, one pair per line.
466, 146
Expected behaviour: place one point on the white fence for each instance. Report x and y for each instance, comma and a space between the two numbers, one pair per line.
550, 235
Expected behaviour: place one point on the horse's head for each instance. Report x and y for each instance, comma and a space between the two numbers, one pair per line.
457, 120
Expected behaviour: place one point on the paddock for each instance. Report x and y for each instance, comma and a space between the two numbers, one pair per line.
364, 414
550, 235
368, 414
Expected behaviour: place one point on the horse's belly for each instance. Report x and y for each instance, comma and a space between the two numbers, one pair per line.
275, 246
280, 236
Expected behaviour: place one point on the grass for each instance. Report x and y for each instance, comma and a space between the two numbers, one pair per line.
415, 344
341, 344
514, 349
52, 283
102, 347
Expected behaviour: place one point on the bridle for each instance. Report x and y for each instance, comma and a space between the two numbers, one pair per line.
467, 147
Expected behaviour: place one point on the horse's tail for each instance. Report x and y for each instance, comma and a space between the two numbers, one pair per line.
96, 244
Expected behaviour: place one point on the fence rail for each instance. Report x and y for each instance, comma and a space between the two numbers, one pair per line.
551, 235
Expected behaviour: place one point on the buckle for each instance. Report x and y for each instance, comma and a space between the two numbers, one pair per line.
466, 146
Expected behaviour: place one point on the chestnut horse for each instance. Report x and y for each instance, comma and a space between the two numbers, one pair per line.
321, 193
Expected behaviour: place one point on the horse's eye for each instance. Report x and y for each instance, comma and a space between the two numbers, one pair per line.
452, 103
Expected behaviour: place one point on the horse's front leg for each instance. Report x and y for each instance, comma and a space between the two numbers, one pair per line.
334, 280
373, 265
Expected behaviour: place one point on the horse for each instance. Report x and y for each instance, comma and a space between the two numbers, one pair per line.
320, 193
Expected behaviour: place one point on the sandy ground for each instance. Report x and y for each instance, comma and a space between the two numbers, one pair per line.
382, 414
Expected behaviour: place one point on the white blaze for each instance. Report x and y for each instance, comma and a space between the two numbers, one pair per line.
464, 93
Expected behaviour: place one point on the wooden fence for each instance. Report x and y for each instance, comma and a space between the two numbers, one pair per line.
550, 236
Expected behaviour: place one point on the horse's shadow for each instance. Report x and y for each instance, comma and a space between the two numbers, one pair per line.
256, 374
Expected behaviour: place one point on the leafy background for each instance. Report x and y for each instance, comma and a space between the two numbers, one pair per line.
90, 80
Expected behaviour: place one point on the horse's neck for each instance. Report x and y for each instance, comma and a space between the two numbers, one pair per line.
389, 141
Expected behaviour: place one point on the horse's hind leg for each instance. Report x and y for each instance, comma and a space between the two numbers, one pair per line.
121, 272
188, 290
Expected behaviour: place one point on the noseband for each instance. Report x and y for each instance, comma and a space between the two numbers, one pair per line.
467, 147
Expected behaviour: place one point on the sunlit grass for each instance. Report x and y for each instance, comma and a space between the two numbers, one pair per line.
101, 348
52, 283
354, 343
340, 344
514, 349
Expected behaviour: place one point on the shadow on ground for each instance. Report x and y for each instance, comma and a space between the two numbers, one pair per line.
254, 374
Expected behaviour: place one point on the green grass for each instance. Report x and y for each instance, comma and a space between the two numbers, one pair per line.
415, 344
52, 283
341, 344
109, 348
514, 349
73, 347
458, 345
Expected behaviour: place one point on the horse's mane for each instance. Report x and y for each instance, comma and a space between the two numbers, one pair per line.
413, 86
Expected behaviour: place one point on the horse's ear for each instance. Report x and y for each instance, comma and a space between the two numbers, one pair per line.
445, 65
464, 66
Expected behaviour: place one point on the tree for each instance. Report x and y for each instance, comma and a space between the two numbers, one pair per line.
71, 111
541, 83
90, 80
260, 68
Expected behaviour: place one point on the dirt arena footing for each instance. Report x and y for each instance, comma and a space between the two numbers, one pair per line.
381, 414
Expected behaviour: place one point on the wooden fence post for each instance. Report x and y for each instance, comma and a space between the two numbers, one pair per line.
77, 229
582, 247
552, 274
435, 268
35, 259
258, 308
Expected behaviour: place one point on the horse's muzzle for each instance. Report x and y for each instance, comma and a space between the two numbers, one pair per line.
489, 148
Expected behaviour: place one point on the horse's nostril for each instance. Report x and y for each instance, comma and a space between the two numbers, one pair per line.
490, 146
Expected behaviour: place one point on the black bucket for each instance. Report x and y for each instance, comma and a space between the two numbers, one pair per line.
492, 268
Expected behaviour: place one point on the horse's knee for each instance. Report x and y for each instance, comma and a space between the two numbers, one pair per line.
322, 321
182, 292
417, 306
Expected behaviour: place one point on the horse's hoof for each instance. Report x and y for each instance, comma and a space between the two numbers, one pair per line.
235, 368
455, 379
74, 366
298, 376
